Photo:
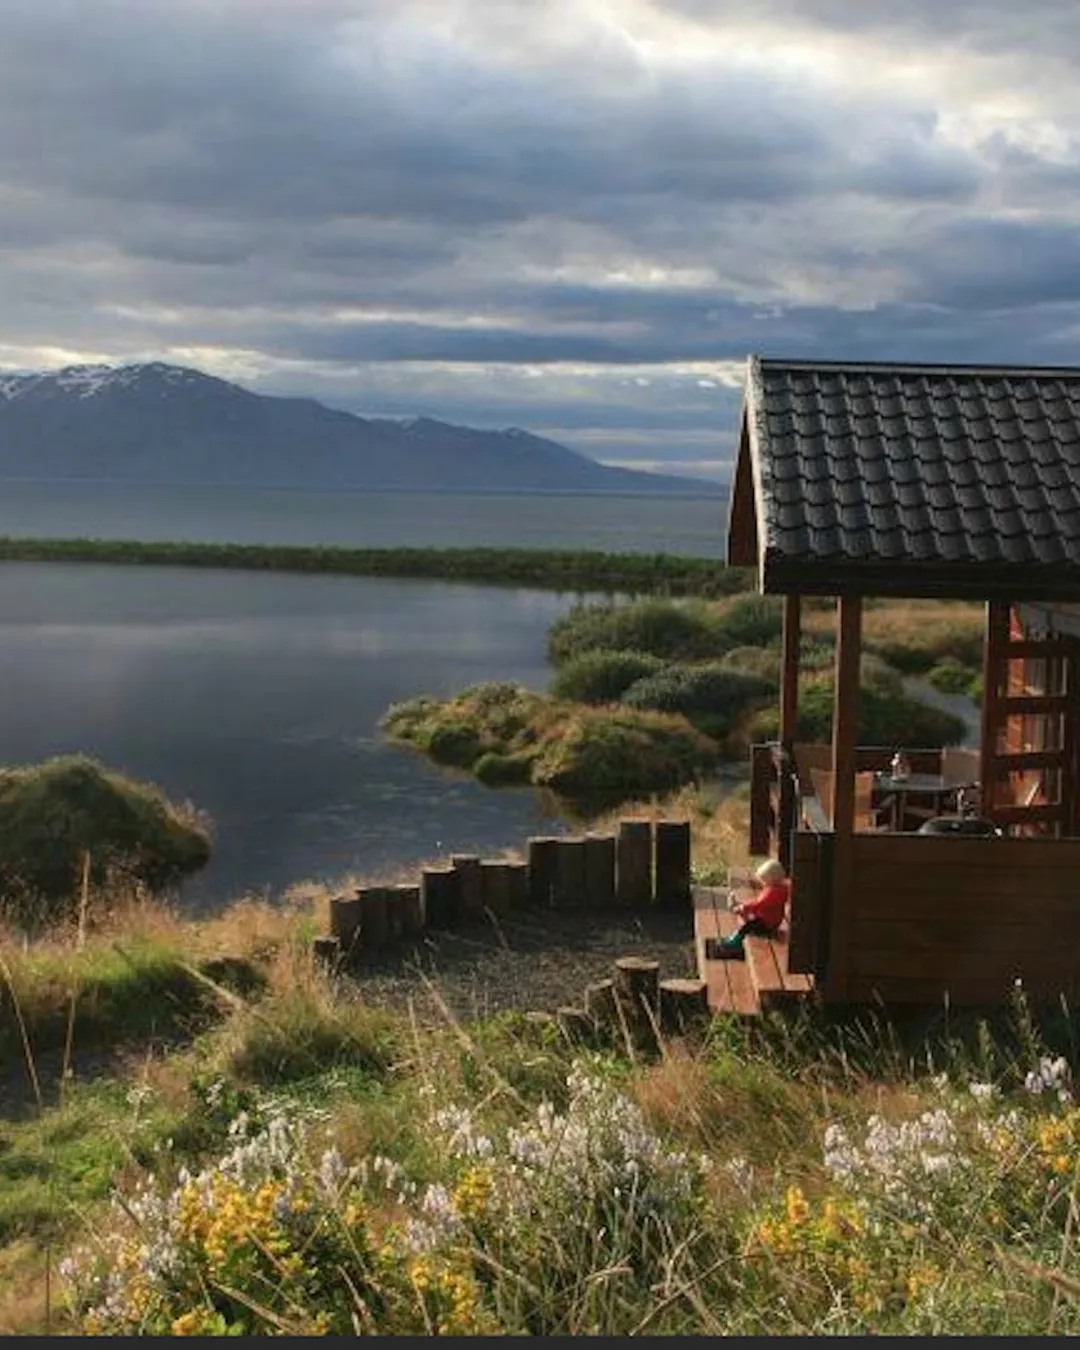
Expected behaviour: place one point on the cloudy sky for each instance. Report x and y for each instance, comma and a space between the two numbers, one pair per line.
575, 216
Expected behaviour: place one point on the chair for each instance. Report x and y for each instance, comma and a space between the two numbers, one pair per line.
960, 766
865, 819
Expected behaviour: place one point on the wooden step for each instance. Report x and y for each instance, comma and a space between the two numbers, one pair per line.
767, 962
730, 988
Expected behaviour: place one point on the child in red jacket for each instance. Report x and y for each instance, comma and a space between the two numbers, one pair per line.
762, 915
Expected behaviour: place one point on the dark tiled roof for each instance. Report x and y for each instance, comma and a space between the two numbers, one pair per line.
945, 480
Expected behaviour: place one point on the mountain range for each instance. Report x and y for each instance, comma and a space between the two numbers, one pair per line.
163, 424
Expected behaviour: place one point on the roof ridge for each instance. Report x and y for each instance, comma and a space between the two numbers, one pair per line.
915, 367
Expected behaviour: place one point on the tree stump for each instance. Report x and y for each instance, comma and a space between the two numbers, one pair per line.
570, 872
600, 870
542, 855
575, 1024
633, 869
440, 889
471, 884
345, 922
600, 1002
374, 920
636, 984
410, 910
684, 1005
327, 952
673, 863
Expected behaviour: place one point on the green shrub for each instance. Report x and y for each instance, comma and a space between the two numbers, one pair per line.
764, 662
52, 814
751, 620
886, 717
664, 628
708, 695
601, 676
456, 745
622, 753
497, 770
950, 677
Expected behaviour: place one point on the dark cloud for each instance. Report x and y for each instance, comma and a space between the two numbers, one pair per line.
374, 201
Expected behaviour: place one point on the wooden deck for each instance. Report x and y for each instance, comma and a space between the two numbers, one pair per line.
746, 988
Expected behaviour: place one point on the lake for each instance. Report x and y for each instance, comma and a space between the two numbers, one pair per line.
256, 695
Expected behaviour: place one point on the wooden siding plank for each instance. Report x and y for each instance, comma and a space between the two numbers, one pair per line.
924, 851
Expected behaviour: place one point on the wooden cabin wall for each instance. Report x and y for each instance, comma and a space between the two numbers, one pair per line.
932, 915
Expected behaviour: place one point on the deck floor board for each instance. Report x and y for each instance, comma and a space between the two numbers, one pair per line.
742, 986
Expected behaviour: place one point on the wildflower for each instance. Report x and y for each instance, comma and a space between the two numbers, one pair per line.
982, 1092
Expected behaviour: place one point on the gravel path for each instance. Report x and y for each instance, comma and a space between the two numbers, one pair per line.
535, 965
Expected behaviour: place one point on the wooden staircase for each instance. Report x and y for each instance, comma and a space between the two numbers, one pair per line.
747, 988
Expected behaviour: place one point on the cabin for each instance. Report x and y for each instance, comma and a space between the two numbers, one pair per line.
960, 876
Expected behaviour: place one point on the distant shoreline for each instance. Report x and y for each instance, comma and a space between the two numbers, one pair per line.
539, 569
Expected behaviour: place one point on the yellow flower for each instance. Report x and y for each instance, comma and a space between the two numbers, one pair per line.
188, 1324
796, 1206
920, 1278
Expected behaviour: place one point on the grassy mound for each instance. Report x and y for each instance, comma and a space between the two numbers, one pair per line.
663, 628
602, 676
708, 695
506, 734
53, 814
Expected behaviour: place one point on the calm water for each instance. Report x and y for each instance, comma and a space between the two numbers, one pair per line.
257, 695
619, 524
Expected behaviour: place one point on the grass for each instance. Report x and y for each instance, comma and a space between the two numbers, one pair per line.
743, 1217
569, 570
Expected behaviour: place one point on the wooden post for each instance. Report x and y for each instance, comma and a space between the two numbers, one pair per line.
410, 910
570, 872
845, 735
395, 921
345, 921
575, 1024
633, 873
516, 887
467, 866
495, 885
995, 671
683, 1004
441, 895
600, 1002
600, 870
327, 952
542, 854
637, 997
789, 716
374, 922
673, 863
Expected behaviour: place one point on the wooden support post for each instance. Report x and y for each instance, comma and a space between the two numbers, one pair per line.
374, 923
600, 870
327, 952
684, 1004
570, 872
633, 871
995, 673
410, 910
495, 885
395, 919
467, 866
789, 716
441, 895
345, 922
636, 983
673, 863
542, 854
845, 736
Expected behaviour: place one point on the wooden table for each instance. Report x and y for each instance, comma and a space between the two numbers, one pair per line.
927, 794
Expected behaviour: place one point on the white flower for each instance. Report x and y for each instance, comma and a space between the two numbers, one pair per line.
982, 1092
